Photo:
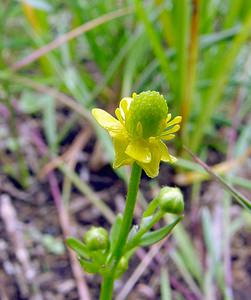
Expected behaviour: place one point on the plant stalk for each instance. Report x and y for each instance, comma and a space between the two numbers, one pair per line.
107, 288
108, 281
128, 212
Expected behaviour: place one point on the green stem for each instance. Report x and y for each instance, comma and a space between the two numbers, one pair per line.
128, 213
108, 281
107, 288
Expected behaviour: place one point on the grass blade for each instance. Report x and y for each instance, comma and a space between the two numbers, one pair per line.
165, 285
69, 36
155, 42
155, 236
241, 199
221, 75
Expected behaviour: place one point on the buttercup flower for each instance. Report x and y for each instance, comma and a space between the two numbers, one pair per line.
142, 124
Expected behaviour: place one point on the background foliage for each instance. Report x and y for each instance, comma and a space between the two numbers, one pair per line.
61, 58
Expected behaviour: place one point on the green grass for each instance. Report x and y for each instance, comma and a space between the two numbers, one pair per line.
197, 53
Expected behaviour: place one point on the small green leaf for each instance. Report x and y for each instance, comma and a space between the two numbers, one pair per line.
155, 236
89, 267
115, 231
78, 247
133, 232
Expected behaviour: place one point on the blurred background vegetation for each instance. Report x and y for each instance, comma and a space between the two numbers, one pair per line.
61, 58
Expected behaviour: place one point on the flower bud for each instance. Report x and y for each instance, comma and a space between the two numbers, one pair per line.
96, 239
171, 200
147, 114
122, 266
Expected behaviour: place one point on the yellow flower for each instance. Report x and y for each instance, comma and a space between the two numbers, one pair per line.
142, 124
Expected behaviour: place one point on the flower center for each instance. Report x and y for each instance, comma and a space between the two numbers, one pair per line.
147, 114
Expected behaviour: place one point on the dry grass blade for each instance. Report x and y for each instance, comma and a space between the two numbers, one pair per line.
241, 199
61, 97
86, 190
221, 168
18, 244
69, 36
69, 155
83, 290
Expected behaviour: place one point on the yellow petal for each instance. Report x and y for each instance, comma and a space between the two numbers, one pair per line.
104, 119
174, 129
119, 116
108, 122
167, 137
159, 151
176, 120
124, 106
152, 168
139, 151
165, 156
169, 116
121, 158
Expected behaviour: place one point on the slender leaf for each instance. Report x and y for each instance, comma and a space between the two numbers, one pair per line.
188, 252
157, 235
154, 40
115, 231
78, 247
165, 285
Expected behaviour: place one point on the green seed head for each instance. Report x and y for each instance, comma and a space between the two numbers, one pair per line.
147, 114
96, 239
171, 200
